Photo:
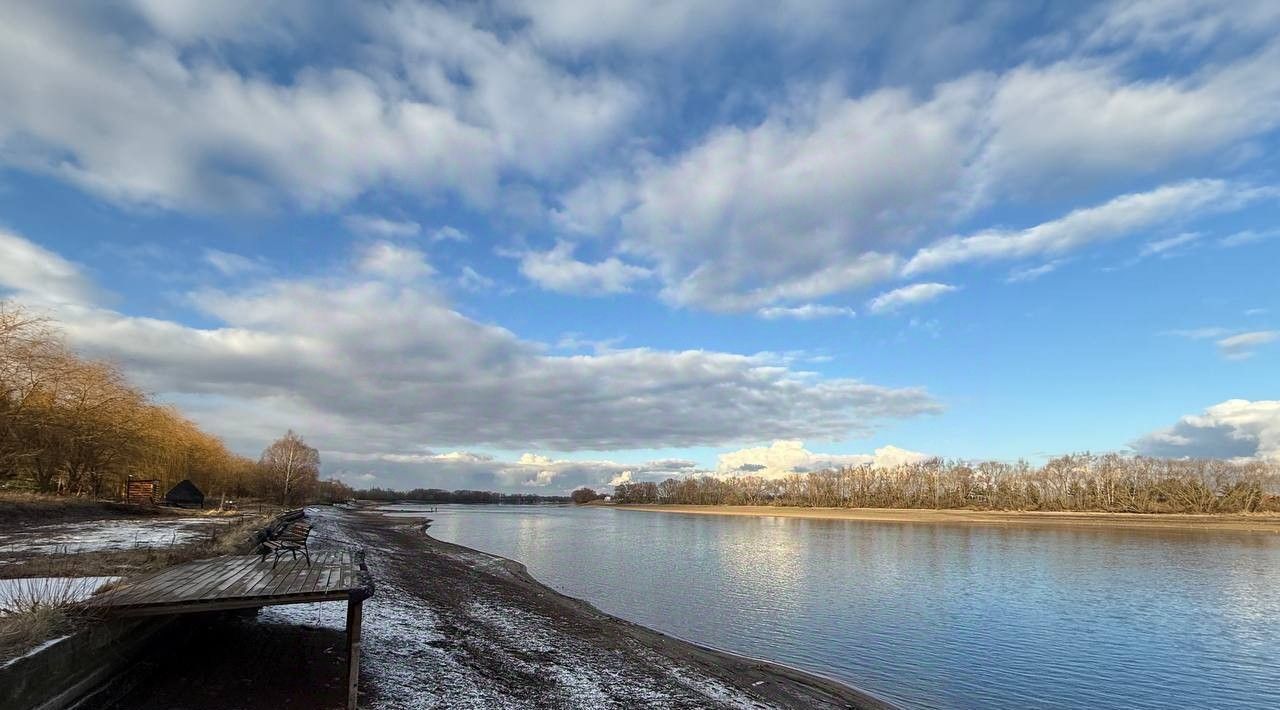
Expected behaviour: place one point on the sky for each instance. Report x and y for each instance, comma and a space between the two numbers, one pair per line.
527, 246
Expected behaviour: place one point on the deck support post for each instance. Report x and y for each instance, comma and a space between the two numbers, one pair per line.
354, 612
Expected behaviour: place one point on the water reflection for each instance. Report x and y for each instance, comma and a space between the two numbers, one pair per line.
929, 615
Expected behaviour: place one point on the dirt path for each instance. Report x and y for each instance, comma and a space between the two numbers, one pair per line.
450, 627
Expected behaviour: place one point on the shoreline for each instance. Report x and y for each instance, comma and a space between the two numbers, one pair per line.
453, 627
828, 688
1237, 522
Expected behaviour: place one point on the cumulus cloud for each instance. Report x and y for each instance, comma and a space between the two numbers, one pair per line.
907, 296
803, 203
808, 190
557, 270
808, 311
362, 361
785, 457
799, 206
152, 113
1234, 429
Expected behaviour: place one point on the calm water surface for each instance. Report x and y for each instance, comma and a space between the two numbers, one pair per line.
927, 615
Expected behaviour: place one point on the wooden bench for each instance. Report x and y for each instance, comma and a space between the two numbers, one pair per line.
291, 538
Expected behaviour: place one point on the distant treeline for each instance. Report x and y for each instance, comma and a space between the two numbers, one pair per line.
74, 426
1079, 482
438, 495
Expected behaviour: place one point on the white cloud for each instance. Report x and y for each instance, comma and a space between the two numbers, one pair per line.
1031, 273
474, 281
449, 234
483, 471
800, 206
363, 361
785, 457
37, 273
1200, 333
803, 203
1118, 217
1178, 25
1246, 237
375, 226
908, 296
1234, 429
161, 117
1232, 344
1244, 345
229, 264
557, 270
808, 311
1169, 246
391, 261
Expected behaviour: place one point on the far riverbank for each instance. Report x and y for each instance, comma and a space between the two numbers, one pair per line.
1262, 522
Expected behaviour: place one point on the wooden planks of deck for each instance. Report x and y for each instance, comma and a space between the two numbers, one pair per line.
246, 582
232, 582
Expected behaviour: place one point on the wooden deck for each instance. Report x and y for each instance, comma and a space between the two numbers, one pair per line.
247, 582
236, 582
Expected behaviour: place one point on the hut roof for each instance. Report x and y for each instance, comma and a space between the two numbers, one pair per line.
184, 492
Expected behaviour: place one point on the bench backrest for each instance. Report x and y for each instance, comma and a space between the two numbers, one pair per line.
296, 532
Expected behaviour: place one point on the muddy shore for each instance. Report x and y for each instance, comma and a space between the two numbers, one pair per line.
451, 627
1269, 522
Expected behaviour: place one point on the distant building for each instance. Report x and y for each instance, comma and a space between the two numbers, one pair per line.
185, 495
142, 491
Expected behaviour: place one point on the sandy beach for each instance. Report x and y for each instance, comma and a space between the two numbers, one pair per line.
1265, 523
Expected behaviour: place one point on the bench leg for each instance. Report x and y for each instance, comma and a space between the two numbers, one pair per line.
354, 613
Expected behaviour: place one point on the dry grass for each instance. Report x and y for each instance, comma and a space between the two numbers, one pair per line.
21, 632
41, 610
37, 509
230, 538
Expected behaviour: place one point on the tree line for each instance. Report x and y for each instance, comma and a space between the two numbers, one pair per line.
439, 495
1077, 482
74, 426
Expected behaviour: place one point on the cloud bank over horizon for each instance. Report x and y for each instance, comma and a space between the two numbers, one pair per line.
439, 237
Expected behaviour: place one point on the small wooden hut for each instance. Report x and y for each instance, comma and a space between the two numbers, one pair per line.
142, 491
185, 495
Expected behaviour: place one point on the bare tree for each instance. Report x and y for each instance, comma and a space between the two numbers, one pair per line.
290, 465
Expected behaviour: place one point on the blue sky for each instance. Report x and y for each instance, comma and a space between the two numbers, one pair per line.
530, 246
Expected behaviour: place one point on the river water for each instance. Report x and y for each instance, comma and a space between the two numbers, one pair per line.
927, 615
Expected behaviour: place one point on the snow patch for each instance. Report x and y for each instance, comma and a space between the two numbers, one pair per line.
17, 594
96, 535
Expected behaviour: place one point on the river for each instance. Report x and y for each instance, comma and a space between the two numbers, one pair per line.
927, 615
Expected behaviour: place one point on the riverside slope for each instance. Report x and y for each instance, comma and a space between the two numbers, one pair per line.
451, 627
